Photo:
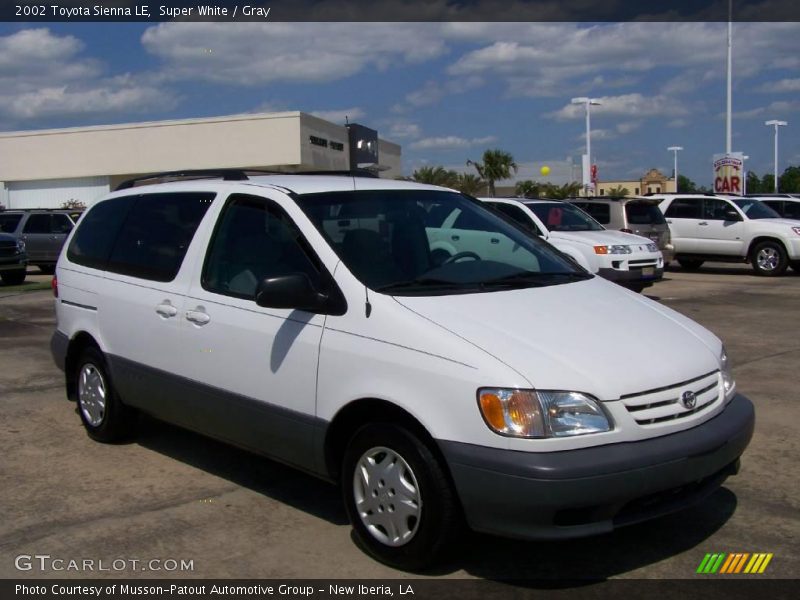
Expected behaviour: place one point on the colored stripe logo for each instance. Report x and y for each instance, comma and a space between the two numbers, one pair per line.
735, 563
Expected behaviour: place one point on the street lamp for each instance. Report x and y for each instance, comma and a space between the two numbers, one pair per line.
776, 124
588, 103
744, 175
675, 150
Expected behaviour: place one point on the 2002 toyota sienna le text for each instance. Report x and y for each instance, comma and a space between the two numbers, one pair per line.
304, 317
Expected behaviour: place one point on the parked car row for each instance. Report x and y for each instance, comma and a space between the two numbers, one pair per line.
438, 361
40, 232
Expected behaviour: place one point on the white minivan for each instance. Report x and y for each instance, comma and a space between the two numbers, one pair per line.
305, 318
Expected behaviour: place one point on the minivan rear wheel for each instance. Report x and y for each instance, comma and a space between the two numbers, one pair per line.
690, 264
104, 416
398, 497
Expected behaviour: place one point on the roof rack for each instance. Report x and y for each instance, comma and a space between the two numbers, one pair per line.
680, 194
233, 175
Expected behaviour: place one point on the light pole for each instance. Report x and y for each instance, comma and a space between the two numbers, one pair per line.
588, 103
776, 124
675, 150
744, 175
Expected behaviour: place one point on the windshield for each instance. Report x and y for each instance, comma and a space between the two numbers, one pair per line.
642, 212
430, 242
561, 216
755, 209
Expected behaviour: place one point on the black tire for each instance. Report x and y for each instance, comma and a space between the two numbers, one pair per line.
47, 269
433, 530
795, 266
13, 277
690, 264
637, 287
113, 422
769, 259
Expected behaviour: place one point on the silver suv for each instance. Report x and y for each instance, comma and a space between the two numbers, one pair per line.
631, 215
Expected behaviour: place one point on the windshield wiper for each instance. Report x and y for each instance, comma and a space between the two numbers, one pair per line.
537, 279
419, 282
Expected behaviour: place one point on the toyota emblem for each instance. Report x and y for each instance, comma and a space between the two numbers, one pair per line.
688, 399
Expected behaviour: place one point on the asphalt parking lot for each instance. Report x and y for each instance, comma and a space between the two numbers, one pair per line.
174, 495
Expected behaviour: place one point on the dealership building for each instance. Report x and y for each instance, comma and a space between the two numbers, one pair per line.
48, 168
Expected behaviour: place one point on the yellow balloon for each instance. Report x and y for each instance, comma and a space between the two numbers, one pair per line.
545, 170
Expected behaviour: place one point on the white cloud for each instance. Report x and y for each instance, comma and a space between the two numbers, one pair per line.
258, 53
338, 116
784, 85
450, 142
629, 105
404, 131
46, 74
774, 110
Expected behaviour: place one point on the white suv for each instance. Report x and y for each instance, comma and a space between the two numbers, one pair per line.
305, 318
731, 229
630, 260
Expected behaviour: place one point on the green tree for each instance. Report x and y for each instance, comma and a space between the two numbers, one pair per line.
767, 183
618, 191
560, 192
435, 176
686, 185
528, 188
468, 183
789, 181
753, 183
496, 165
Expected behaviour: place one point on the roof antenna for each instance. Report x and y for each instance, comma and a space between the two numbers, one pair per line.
346, 120
367, 305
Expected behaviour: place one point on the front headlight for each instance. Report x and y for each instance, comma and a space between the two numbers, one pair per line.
541, 413
20, 246
652, 248
612, 249
728, 383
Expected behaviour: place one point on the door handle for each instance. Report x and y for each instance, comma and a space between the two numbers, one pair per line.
703, 223
198, 316
455, 238
494, 241
166, 310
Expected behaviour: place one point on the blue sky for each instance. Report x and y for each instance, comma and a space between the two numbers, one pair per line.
444, 91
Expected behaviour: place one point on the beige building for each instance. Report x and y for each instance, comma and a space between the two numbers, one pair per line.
46, 168
653, 182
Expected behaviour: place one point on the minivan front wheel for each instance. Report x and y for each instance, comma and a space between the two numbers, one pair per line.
769, 259
398, 497
102, 413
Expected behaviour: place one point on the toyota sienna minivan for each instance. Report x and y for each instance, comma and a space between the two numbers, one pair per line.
305, 318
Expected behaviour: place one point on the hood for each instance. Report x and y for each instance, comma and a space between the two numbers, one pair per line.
590, 336
781, 221
606, 237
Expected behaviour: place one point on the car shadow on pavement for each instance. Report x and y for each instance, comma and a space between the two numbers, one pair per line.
262, 475
528, 564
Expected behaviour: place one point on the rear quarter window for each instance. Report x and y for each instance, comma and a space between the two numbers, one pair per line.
599, 211
97, 231
643, 213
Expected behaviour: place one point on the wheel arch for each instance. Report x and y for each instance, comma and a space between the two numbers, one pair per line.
352, 417
764, 238
77, 345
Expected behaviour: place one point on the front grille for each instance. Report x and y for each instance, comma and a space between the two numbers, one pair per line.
8, 249
664, 404
646, 262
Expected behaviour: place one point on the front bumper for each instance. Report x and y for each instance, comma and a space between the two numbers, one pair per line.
17, 262
635, 275
575, 493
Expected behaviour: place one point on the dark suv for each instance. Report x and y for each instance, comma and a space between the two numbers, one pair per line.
43, 232
13, 260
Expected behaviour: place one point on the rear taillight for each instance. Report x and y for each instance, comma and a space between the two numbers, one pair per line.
54, 285
625, 230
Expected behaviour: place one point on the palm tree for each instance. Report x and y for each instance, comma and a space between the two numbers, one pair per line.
496, 165
528, 188
618, 191
468, 183
435, 176
559, 192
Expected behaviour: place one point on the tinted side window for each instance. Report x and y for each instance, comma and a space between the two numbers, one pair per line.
60, 224
470, 220
518, 215
156, 234
643, 213
8, 223
599, 212
255, 239
682, 208
791, 210
97, 231
715, 209
37, 223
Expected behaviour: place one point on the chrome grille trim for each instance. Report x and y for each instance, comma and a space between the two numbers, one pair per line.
664, 404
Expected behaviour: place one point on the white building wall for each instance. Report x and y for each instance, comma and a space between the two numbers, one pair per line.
53, 193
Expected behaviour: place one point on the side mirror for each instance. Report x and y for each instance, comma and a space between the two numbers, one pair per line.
290, 291
732, 215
